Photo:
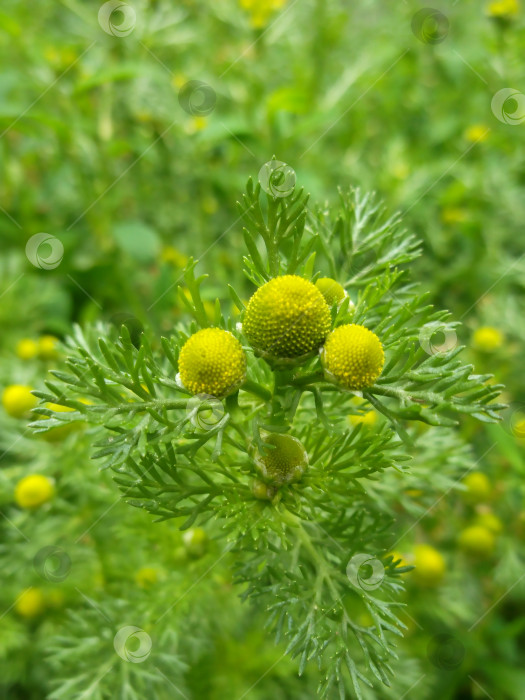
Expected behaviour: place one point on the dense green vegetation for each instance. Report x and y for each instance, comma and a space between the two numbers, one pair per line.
127, 135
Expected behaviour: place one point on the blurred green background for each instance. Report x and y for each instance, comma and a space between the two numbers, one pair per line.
127, 133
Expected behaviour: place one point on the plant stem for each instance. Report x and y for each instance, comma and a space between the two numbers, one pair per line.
257, 390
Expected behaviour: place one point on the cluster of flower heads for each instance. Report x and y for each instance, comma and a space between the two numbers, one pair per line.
287, 322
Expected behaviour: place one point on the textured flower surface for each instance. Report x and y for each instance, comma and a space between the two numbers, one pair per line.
212, 362
33, 491
18, 400
332, 291
286, 318
285, 461
353, 356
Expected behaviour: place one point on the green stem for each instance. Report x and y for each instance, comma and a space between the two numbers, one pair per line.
311, 378
257, 390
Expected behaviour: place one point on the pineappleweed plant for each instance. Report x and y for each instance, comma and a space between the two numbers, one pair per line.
243, 428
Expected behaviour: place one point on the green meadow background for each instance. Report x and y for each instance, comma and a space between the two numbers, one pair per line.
127, 134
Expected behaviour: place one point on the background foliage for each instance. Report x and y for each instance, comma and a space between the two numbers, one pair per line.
98, 149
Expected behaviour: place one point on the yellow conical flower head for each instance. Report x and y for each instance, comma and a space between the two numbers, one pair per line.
287, 318
285, 461
212, 362
332, 291
353, 356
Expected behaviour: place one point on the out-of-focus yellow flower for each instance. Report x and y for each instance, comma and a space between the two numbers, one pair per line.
261, 10
477, 540
518, 428
487, 338
430, 565
64, 57
30, 603
171, 255
60, 431
453, 215
400, 171
179, 80
209, 205
27, 349
490, 521
414, 493
195, 124
146, 577
195, 542
369, 418
479, 488
47, 347
33, 491
503, 8
18, 400
477, 133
